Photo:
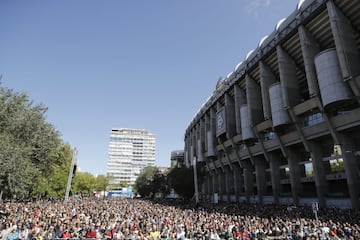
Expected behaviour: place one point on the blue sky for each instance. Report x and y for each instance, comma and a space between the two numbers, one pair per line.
141, 64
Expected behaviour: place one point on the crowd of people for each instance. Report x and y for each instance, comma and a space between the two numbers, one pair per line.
120, 218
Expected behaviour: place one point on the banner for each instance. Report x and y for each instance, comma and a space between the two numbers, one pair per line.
220, 121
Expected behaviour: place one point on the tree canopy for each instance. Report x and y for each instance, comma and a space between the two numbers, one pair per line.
182, 181
33, 158
151, 182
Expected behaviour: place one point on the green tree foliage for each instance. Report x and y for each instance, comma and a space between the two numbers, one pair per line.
151, 182
16, 173
143, 184
84, 183
102, 182
160, 184
54, 181
33, 159
182, 181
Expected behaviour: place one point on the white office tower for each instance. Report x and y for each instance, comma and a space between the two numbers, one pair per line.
130, 150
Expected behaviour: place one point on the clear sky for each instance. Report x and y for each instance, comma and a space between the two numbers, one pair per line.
102, 64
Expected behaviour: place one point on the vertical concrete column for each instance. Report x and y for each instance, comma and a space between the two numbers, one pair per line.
309, 48
228, 182
346, 48
241, 182
248, 180
206, 187
186, 147
210, 185
210, 190
197, 140
206, 131
193, 146
267, 78
319, 173
253, 97
203, 189
213, 185
194, 142
351, 169
211, 134
236, 180
188, 151
220, 184
191, 156
200, 140
230, 116
240, 99
260, 178
295, 177
275, 175
224, 185
288, 78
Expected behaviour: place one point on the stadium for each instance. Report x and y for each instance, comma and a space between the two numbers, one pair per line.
284, 126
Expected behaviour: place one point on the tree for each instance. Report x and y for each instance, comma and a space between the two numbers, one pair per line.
54, 181
16, 173
150, 182
182, 181
143, 183
84, 183
33, 158
102, 183
160, 184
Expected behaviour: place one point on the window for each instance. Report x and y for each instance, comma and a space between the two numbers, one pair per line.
313, 119
337, 165
337, 150
269, 136
309, 171
287, 172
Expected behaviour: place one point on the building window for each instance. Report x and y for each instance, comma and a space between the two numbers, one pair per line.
285, 173
269, 136
337, 165
313, 119
309, 171
242, 147
337, 150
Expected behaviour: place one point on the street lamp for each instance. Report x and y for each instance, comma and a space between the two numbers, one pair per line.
195, 181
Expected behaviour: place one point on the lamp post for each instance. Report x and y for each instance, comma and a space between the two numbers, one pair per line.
195, 181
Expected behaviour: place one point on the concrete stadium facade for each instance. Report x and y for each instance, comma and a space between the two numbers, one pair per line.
284, 126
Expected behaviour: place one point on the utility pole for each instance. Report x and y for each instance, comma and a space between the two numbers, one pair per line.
71, 174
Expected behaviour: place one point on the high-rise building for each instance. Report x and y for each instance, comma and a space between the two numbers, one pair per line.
130, 150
